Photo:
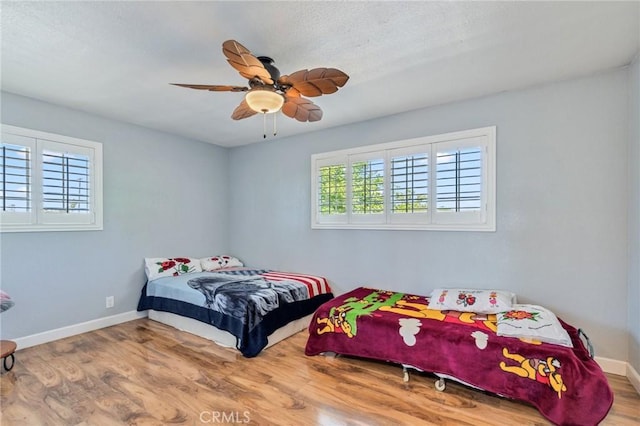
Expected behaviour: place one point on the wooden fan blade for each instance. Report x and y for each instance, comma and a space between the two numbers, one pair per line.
316, 82
242, 111
301, 109
213, 87
242, 60
292, 92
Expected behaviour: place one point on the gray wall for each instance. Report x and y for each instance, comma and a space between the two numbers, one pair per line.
634, 215
163, 196
561, 237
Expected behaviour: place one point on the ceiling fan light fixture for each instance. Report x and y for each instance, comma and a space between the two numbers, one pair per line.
264, 100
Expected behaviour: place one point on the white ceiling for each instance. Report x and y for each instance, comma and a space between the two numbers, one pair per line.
116, 59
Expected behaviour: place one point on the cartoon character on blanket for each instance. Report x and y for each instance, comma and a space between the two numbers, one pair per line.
343, 319
542, 371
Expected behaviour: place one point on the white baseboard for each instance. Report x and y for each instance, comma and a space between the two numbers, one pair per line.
620, 368
612, 366
633, 377
72, 330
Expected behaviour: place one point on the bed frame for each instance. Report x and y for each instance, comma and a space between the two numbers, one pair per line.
221, 337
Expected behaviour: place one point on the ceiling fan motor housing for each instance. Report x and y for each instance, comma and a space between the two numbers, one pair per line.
267, 62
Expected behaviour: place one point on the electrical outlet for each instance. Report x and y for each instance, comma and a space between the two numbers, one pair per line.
110, 302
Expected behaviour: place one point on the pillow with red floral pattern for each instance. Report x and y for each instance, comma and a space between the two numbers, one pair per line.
219, 262
532, 322
157, 267
471, 300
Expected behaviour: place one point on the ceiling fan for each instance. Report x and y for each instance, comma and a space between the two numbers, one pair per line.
269, 92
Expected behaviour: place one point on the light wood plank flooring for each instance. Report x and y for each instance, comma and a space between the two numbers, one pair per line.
146, 373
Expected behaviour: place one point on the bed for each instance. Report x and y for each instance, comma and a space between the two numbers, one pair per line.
249, 309
564, 383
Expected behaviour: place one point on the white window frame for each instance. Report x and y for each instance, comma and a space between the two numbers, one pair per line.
481, 220
37, 219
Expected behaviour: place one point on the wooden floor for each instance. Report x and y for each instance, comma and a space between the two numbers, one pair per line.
146, 373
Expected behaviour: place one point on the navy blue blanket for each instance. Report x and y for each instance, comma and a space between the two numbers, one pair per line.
245, 303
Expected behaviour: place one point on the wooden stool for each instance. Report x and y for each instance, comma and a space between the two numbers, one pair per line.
7, 348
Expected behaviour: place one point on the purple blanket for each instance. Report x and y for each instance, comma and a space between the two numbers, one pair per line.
565, 384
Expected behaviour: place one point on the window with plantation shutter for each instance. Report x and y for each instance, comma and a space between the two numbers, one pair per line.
65, 182
461, 181
409, 183
50, 182
442, 182
331, 196
367, 188
16, 177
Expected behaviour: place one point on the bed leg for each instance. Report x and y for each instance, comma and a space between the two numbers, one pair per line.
405, 374
440, 384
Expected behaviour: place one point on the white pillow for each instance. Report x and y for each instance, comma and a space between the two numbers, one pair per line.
218, 262
157, 267
471, 300
532, 322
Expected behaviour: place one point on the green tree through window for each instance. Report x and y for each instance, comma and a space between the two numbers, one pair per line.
368, 187
333, 190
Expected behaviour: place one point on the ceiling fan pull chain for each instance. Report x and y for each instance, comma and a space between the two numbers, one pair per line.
275, 127
264, 125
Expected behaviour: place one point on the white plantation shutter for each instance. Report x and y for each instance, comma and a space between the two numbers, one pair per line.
409, 184
16, 152
16, 182
49, 182
441, 182
367, 187
333, 179
461, 181
331, 199
66, 176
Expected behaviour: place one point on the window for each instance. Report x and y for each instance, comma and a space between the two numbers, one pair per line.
367, 188
409, 183
49, 182
332, 197
444, 182
16, 178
